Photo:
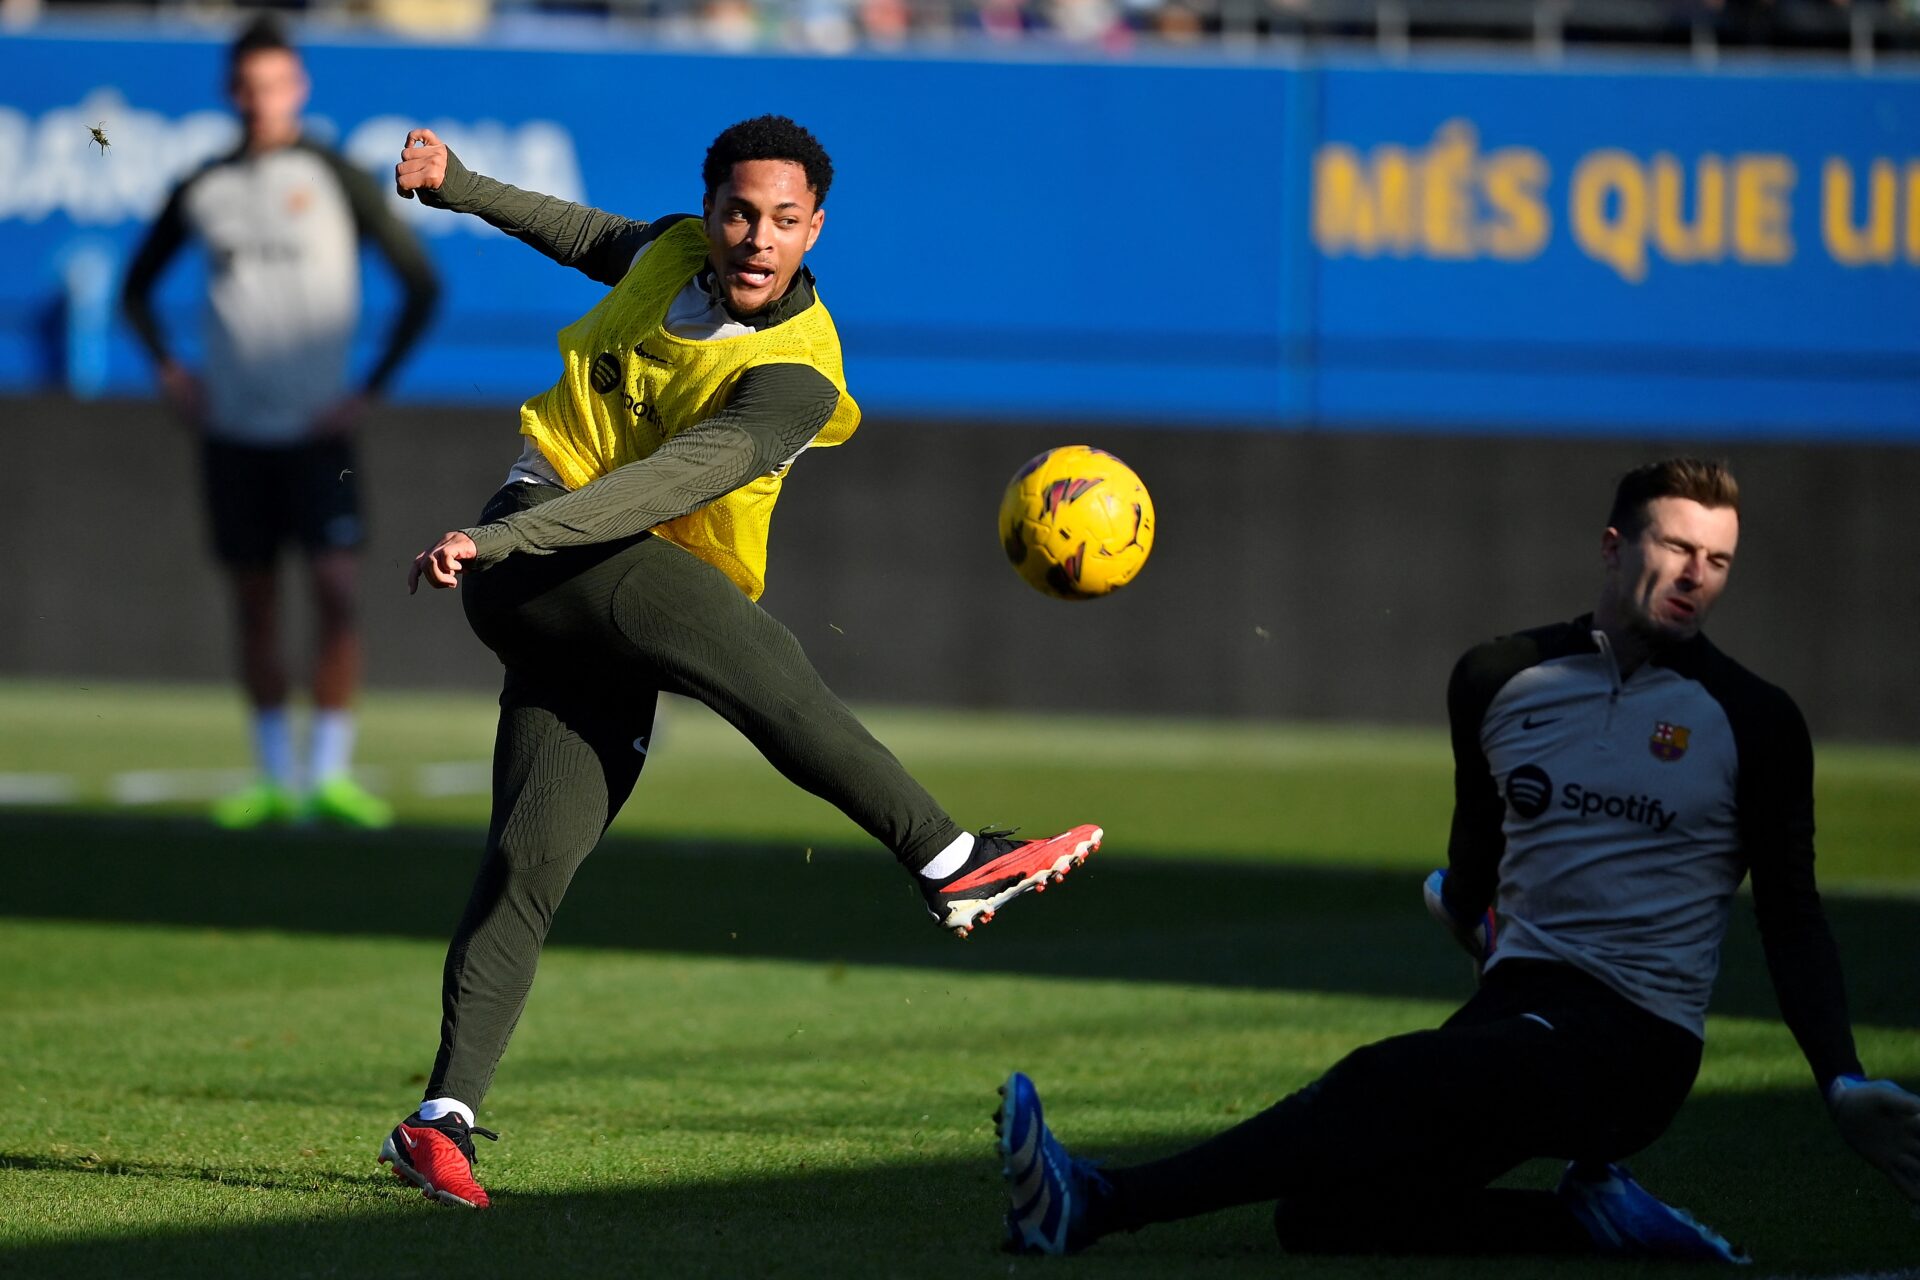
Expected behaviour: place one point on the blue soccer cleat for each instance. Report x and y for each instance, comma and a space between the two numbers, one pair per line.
1627, 1220
1048, 1189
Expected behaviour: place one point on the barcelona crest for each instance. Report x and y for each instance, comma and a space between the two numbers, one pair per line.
1669, 741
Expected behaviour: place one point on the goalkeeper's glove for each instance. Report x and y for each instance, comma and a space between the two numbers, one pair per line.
1881, 1121
1476, 935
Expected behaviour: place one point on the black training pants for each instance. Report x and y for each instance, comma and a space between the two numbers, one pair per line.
589, 636
1392, 1149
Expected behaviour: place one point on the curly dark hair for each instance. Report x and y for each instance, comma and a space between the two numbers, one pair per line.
768, 138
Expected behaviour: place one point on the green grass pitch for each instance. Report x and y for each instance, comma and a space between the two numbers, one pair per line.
749, 1055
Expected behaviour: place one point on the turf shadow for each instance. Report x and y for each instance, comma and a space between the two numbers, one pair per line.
1761, 1167
1196, 921
247, 1178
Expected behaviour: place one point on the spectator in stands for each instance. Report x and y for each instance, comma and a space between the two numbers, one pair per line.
886, 23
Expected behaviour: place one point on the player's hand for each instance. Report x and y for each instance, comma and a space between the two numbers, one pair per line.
340, 418
423, 163
183, 393
442, 563
1477, 936
1881, 1121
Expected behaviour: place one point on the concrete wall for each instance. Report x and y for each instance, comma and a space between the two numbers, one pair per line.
1296, 574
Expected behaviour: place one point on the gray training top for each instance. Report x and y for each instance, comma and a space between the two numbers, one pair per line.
1617, 816
281, 231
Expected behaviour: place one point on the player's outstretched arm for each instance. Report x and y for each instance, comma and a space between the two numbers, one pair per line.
442, 563
774, 411
1881, 1121
600, 244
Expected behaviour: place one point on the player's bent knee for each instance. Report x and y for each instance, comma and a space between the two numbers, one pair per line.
556, 833
1370, 1068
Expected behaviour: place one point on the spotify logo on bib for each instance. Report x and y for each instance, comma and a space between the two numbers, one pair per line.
605, 374
1528, 790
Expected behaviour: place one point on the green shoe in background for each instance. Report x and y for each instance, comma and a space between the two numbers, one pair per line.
343, 801
262, 804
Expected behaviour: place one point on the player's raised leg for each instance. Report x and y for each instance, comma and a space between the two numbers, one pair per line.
684, 617
996, 869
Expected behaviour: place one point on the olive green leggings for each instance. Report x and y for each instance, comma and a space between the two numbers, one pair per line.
589, 636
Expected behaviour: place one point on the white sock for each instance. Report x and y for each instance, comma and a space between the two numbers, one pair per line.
441, 1108
331, 744
273, 745
950, 859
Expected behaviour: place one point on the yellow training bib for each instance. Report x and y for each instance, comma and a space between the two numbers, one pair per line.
629, 386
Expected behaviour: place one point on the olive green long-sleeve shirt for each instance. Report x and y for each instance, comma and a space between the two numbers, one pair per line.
774, 411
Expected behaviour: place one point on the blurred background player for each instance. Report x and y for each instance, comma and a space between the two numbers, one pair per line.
1616, 777
624, 556
280, 219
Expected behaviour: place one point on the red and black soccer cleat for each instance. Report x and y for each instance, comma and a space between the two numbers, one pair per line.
1000, 870
437, 1157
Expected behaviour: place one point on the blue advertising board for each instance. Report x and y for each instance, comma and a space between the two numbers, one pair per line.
1616, 249
1604, 247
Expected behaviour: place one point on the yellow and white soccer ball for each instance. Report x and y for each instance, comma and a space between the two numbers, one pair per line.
1076, 522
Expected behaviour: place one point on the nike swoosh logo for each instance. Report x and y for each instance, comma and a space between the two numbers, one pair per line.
408, 1138
1013, 862
1531, 723
645, 354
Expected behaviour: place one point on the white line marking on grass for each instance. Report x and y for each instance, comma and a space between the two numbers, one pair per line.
137, 787
38, 788
157, 786
162, 786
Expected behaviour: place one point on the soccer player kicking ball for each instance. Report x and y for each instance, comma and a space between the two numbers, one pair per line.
1616, 777
623, 557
